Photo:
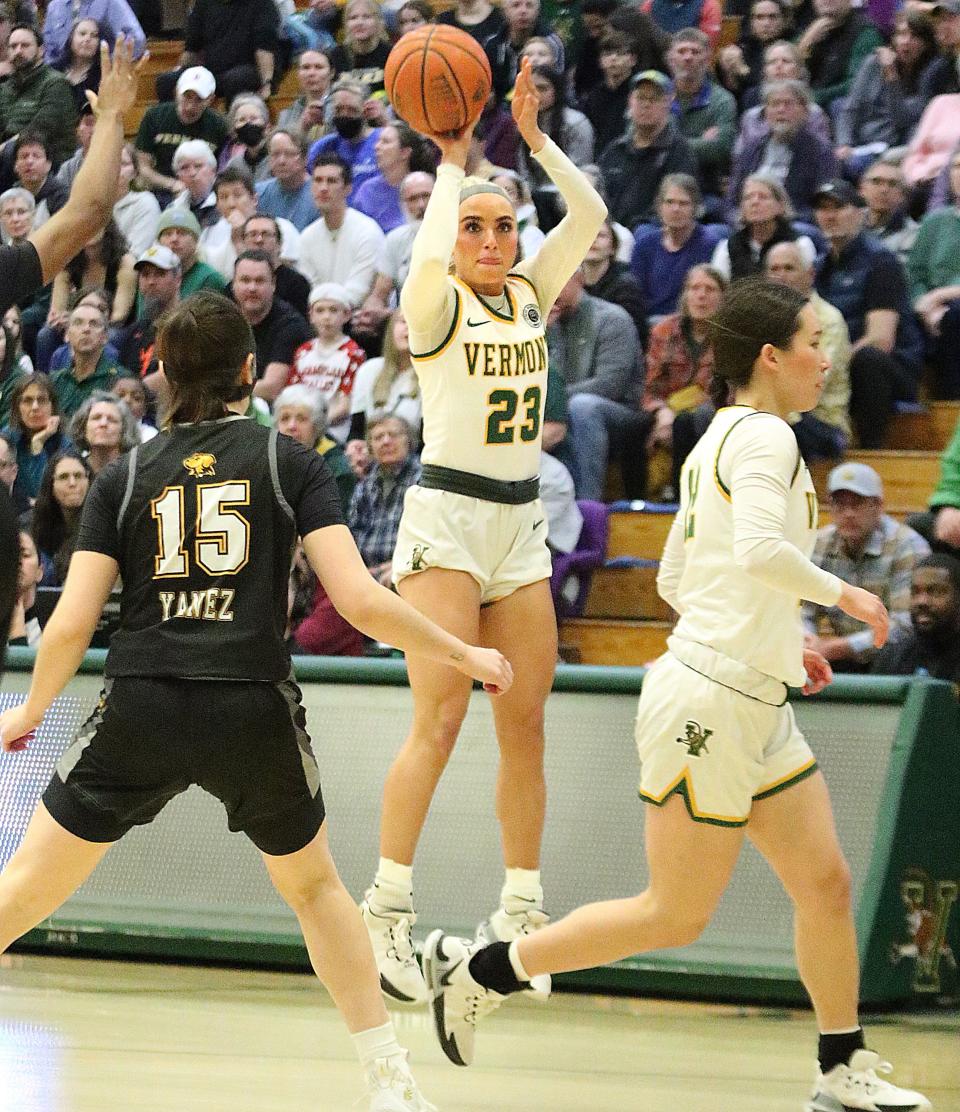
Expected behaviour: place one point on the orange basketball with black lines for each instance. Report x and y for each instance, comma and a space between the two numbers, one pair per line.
438, 79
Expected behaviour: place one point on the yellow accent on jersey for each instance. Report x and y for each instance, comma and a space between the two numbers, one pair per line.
448, 339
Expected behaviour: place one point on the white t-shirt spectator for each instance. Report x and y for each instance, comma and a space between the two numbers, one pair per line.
347, 255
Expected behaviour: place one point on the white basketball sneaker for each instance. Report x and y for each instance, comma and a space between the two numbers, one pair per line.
392, 1088
400, 976
516, 918
459, 1002
856, 1086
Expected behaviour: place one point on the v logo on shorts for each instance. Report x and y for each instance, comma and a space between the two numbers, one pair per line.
696, 738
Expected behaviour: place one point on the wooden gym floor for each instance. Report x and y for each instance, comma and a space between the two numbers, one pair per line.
87, 1036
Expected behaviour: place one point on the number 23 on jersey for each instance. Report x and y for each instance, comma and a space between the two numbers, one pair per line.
503, 423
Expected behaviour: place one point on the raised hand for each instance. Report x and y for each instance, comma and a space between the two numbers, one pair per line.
526, 106
119, 80
455, 146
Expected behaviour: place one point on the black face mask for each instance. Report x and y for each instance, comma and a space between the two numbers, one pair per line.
348, 127
251, 135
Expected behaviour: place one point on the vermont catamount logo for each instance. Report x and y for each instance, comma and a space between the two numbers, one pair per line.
417, 562
928, 904
696, 738
200, 464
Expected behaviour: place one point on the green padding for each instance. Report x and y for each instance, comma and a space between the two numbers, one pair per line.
584, 678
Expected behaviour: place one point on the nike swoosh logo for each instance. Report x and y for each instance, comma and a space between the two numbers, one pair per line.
536, 526
445, 979
476, 323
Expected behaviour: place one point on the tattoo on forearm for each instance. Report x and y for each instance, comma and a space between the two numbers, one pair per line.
456, 656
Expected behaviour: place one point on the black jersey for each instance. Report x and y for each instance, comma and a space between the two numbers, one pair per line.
202, 521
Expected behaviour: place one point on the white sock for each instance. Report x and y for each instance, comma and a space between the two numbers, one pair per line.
514, 955
524, 884
376, 1042
393, 886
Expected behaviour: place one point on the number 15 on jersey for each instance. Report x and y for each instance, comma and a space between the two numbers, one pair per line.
222, 544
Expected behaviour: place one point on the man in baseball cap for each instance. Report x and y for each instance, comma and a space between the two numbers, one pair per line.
199, 80
869, 549
652, 146
867, 283
838, 192
179, 230
159, 276
166, 125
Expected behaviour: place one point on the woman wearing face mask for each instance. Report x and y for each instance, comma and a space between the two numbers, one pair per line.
247, 146
352, 138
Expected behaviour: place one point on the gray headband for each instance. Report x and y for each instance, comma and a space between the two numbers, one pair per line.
469, 191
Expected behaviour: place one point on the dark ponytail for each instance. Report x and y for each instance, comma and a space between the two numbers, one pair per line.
754, 312
203, 343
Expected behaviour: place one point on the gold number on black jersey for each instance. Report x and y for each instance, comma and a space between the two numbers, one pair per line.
500, 421
222, 544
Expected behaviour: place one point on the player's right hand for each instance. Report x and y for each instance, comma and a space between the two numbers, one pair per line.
18, 727
866, 607
455, 146
488, 666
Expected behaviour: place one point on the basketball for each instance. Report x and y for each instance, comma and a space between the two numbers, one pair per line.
438, 79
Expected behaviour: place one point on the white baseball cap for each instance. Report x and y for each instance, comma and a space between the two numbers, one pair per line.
160, 256
858, 478
197, 79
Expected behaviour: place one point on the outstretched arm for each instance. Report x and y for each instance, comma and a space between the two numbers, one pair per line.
91, 199
385, 616
89, 581
427, 298
566, 245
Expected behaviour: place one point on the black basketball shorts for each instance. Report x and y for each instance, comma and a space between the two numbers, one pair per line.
149, 739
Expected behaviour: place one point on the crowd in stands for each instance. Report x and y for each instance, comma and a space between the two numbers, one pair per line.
821, 147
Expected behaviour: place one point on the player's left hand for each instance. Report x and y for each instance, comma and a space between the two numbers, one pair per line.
525, 108
18, 727
819, 672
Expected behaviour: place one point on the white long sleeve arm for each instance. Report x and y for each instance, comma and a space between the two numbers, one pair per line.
427, 298
566, 245
761, 459
671, 565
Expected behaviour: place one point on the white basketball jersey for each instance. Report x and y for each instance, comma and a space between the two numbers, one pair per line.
485, 385
721, 604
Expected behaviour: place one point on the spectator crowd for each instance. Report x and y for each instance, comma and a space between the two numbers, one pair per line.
819, 145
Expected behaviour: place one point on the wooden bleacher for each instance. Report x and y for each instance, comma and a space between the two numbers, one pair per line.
626, 622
